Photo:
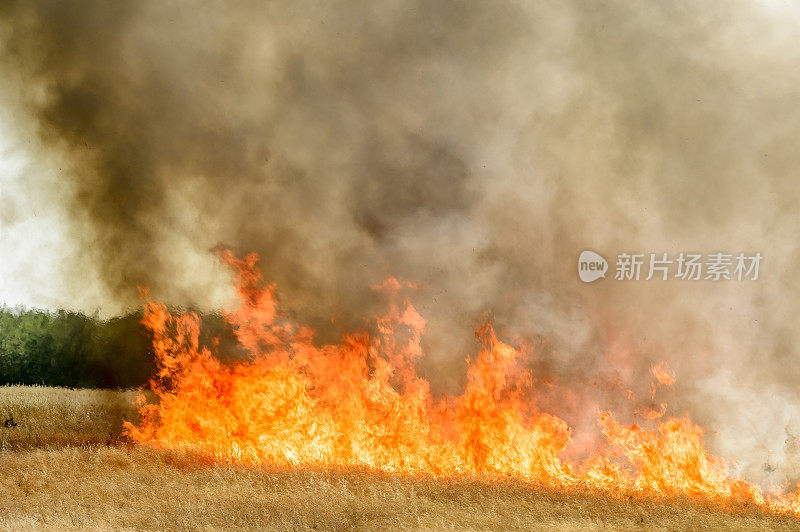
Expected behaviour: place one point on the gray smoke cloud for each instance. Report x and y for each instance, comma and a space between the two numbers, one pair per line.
475, 148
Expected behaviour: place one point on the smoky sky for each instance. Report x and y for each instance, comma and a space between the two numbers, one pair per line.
474, 148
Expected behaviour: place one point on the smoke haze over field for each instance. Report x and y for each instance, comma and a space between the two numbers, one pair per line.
475, 148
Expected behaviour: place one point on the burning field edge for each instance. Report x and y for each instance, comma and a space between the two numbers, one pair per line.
346, 436
361, 403
65, 465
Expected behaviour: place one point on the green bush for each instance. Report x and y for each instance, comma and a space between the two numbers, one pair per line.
71, 349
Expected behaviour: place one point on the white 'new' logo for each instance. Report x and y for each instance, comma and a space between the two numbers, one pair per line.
591, 266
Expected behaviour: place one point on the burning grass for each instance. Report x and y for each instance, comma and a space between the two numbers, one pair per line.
345, 437
64, 474
360, 403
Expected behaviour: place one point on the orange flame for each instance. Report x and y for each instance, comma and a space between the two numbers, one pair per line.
662, 376
361, 403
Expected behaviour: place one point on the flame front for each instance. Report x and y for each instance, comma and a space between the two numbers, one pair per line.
361, 403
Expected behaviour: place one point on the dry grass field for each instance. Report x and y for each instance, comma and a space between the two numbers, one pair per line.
65, 466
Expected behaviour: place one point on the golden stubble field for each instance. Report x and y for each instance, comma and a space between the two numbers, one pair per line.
64, 465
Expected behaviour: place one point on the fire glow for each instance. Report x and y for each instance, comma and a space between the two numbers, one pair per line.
360, 403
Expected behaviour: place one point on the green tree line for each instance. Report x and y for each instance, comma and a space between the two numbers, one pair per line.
64, 348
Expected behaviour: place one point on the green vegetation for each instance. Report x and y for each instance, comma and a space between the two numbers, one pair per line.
71, 349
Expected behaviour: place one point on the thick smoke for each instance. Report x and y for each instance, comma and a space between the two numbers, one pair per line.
475, 148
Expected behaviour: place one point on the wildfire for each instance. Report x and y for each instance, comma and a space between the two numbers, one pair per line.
361, 403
